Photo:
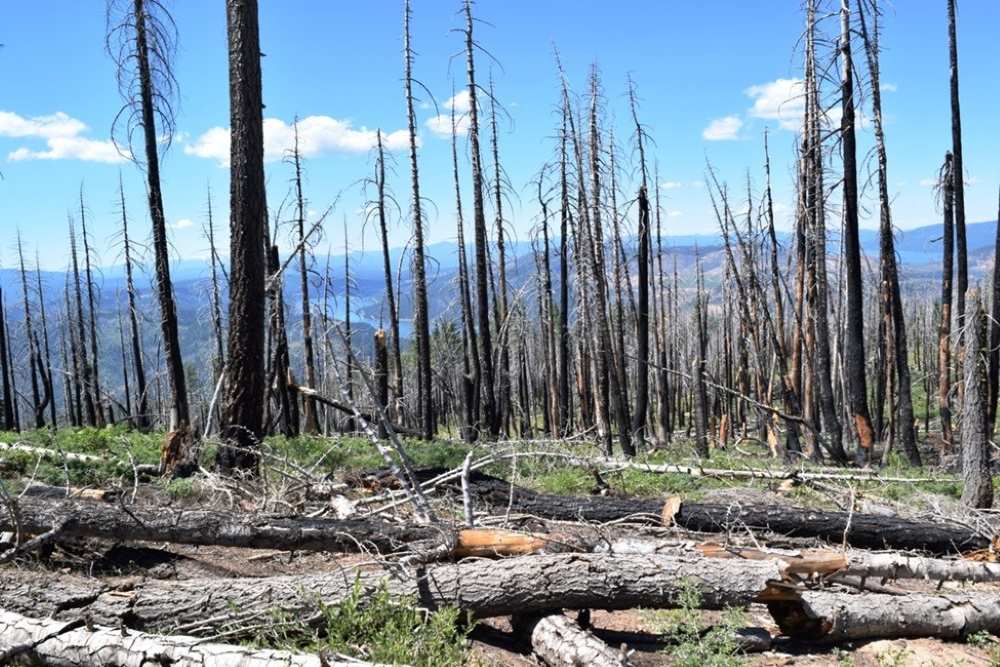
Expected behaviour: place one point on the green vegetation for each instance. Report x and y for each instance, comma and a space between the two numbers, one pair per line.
375, 628
339, 455
694, 646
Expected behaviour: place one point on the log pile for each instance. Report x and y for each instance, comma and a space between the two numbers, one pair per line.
580, 556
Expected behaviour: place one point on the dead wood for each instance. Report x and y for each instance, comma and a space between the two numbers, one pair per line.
859, 530
560, 642
526, 585
47, 642
838, 617
71, 518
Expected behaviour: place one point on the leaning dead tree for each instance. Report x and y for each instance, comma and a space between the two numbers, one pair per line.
141, 39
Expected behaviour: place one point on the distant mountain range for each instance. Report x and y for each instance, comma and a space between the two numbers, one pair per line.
919, 251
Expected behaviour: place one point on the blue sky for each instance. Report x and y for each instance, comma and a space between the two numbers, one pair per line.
711, 76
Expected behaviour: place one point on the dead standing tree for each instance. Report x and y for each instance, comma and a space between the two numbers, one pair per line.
958, 179
141, 39
243, 402
395, 408
887, 251
425, 393
490, 413
854, 346
976, 468
311, 421
140, 416
947, 189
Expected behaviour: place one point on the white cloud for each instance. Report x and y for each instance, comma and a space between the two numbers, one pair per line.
674, 214
928, 182
318, 135
671, 185
441, 124
62, 137
889, 87
459, 102
782, 100
183, 223
722, 129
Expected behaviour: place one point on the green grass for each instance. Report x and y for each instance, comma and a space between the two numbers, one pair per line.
339, 455
691, 645
376, 628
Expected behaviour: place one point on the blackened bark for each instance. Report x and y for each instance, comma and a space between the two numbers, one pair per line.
34, 371
5, 369
243, 403
490, 413
958, 177
310, 419
80, 349
642, 322
994, 339
976, 468
45, 349
390, 294
471, 376
854, 346
141, 417
420, 309
502, 323
944, 326
563, 337
890, 273
179, 414
95, 355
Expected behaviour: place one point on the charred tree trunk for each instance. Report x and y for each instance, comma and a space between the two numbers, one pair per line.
502, 307
490, 413
141, 416
92, 319
994, 339
45, 350
976, 466
890, 273
381, 379
243, 403
390, 292
854, 346
421, 314
179, 413
958, 178
80, 352
471, 375
310, 419
563, 336
219, 362
944, 326
5, 370
35, 371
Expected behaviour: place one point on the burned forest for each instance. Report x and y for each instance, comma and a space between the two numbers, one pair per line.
476, 384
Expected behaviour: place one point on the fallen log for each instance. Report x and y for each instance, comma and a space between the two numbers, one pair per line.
209, 527
73, 645
526, 585
69, 519
838, 617
883, 566
77, 457
560, 642
795, 474
859, 530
